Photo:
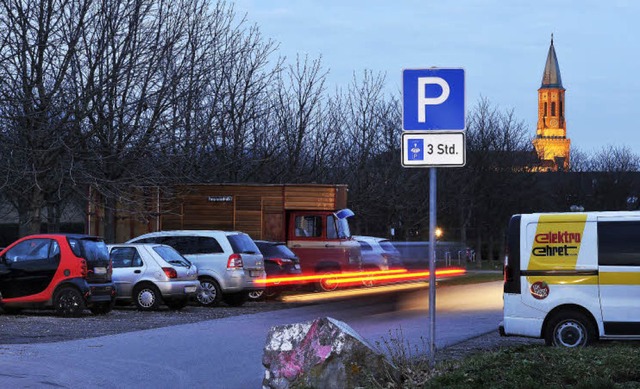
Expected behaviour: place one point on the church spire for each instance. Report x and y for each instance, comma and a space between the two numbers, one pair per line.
551, 77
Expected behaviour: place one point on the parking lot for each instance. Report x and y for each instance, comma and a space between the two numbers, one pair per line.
40, 326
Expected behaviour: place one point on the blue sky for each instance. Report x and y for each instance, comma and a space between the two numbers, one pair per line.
502, 45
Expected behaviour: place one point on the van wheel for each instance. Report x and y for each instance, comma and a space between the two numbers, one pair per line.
325, 284
569, 329
146, 297
210, 293
68, 302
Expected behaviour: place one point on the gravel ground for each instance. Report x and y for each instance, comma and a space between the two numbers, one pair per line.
40, 326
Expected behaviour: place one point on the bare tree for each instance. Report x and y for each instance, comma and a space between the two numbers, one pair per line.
297, 116
135, 55
40, 39
240, 93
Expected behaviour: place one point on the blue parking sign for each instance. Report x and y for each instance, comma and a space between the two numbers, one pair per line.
433, 99
416, 149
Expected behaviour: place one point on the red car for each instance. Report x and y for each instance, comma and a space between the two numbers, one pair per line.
66, 272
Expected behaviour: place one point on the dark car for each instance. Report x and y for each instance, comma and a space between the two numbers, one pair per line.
66, 272
279, 260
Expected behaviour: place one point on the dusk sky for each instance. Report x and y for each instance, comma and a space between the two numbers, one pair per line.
502, 45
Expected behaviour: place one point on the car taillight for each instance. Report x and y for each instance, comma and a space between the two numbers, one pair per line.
170, 272
281, 261
83, 267
235, 261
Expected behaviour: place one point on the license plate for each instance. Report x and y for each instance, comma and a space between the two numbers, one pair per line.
255, 273
190, 289
100, 270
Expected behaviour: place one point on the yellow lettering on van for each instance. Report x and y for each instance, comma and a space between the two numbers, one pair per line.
557, 242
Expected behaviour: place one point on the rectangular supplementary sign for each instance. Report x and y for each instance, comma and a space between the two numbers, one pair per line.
433, 99
433, 149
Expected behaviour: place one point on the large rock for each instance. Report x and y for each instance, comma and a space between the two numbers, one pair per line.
324, 353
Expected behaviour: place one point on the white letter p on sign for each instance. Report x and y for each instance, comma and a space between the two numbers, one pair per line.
423, 100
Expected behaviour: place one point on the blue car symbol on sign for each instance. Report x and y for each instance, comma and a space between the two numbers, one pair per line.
433, 99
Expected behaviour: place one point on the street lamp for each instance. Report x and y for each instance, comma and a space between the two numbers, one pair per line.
439, 232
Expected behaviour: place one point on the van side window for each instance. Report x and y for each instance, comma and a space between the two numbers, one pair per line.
619, 243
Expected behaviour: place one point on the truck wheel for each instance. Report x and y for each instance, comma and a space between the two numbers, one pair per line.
68, 302
569, 329
210, 293
271, 293
325, 284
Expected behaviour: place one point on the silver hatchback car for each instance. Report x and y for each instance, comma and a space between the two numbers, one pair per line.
230, 264
149, 274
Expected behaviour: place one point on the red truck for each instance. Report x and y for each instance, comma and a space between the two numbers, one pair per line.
311, 218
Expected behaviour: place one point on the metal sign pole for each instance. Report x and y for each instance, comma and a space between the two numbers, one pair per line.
432, 266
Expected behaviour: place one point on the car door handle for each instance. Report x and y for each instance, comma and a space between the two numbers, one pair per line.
329, 245
137, 271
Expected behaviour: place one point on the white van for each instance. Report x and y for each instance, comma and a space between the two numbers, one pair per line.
573, 278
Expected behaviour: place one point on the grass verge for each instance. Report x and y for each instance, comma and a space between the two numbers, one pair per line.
606, 365
471, 278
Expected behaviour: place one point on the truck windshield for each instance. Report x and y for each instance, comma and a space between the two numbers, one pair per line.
343, 228
342, 225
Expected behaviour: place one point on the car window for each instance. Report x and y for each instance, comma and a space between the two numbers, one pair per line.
242, 243
388, 246
364, 246
171, 256
275, 250
208, 245
89, 249
125, 257
185, 245
30, 250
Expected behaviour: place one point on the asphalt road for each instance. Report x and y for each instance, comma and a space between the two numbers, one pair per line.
226, 353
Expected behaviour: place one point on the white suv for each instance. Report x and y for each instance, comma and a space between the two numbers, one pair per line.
229, 263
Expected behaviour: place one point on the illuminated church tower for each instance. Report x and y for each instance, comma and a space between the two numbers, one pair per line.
551, 142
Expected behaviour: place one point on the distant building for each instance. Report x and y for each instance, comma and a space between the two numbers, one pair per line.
551, 142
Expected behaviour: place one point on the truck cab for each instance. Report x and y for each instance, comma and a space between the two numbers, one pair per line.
322, 240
